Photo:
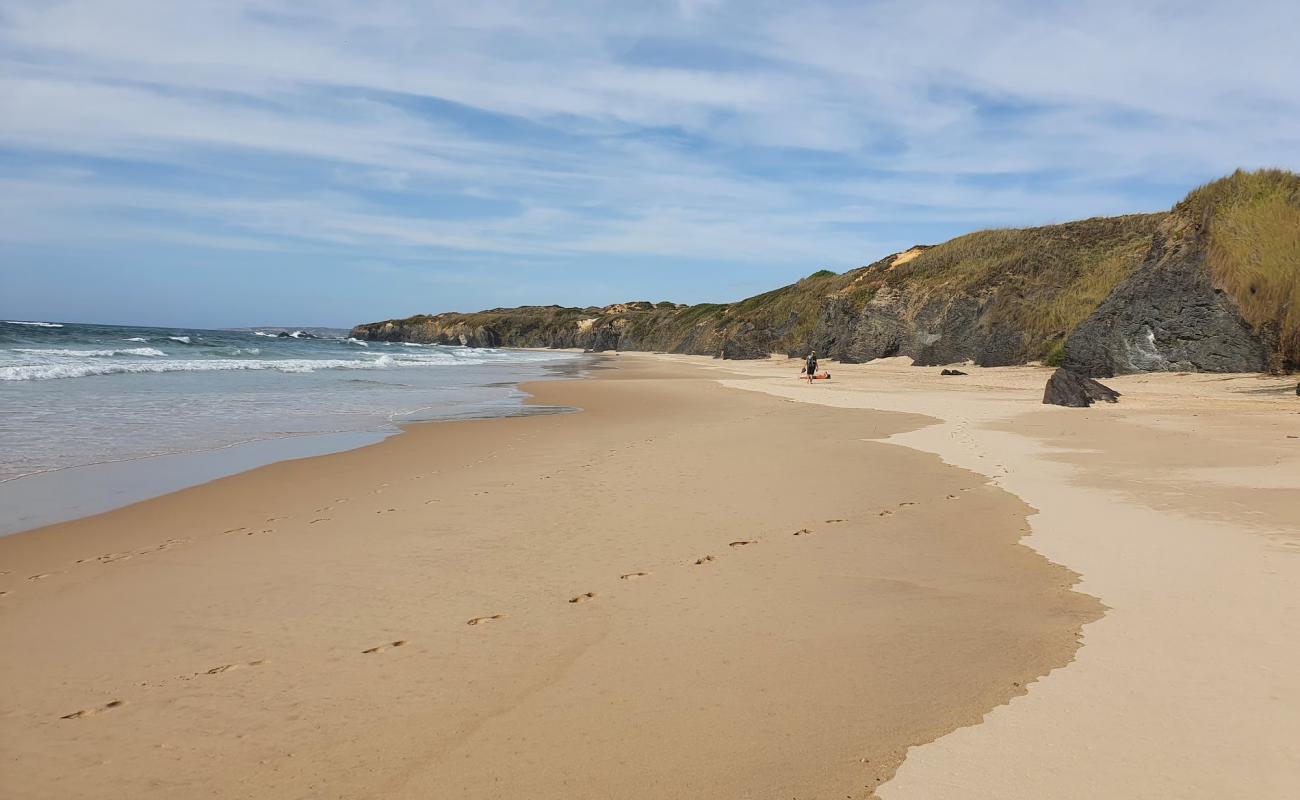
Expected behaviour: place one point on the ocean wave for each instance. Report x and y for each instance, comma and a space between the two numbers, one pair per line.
54, 364
136, 339
124, 351
34, 324
351, 340
181, 339
43, 372
413, 344
263, 333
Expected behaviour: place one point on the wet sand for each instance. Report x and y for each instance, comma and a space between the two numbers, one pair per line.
685, 590
1180, 507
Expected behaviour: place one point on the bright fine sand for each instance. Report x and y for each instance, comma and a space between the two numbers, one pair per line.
1180, 507
693, 588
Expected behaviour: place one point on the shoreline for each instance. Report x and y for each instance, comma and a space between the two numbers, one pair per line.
66, 494
687, 564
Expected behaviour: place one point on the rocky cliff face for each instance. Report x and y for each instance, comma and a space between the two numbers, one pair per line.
1205, 287
1219, 290
1167, 316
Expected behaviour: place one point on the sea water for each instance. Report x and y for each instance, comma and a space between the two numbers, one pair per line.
75, 395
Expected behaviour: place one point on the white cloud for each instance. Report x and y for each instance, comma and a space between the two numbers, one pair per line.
702, 130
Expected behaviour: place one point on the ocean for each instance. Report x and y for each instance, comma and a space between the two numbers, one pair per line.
74, 396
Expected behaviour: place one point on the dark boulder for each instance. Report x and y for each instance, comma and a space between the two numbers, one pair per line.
952, 372
1066, 388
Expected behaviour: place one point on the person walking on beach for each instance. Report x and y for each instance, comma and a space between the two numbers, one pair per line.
810, 367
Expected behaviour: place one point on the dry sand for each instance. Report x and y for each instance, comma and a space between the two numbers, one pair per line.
685, 590
1180, 507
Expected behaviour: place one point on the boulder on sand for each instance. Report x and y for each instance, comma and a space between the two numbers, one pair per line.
1066, 388
952, 372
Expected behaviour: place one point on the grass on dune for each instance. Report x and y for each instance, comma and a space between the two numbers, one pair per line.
1253, 225
1047, 279
797, 304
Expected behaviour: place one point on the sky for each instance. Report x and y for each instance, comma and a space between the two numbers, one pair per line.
228, 163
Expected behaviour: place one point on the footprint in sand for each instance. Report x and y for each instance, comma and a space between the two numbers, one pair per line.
631, 576
833, 521
235, 530
703, 560
40, 576
381, 648
741, 542
802, 532
90, 712
906, 503
385, 510
582, 598
320, 519
482, 620
886, 513
952, 497
232, 667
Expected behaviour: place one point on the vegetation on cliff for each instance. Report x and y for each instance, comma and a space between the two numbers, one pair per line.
1229, 254
1252, 221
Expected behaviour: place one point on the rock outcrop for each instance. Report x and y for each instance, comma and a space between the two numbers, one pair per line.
1167, 316
1067, 388
1213, 285
1218, 292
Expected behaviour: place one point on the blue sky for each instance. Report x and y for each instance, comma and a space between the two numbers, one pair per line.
238, 163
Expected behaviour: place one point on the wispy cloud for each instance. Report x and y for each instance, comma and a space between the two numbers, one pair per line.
724, 134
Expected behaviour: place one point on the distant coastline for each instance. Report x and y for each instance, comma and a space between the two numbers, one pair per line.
1209, 286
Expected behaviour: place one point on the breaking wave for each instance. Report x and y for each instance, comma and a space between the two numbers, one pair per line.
125, 351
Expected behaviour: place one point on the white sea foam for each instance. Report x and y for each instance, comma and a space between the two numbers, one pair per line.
181, 339
412, 344
136, 339
40, 372
351, 340
125, 351
80, 369
34, 324
263, 333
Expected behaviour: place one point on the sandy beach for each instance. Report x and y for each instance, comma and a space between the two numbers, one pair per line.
693, 587
1180, 507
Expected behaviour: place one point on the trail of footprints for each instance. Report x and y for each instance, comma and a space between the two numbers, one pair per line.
584, 597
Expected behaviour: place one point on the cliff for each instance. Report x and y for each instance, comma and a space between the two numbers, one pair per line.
1219, 290
1212, 285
